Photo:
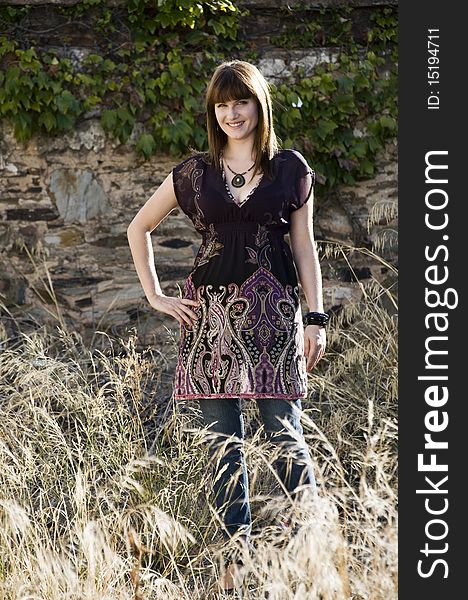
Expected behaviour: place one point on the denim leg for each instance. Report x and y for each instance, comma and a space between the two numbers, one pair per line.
294, 467
231, 489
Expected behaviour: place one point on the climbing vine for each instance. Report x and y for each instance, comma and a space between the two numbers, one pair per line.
151, 86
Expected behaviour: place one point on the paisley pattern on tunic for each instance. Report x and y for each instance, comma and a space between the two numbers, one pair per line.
248, 339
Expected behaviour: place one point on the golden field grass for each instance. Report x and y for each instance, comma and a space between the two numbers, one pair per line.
105, 487
105, 481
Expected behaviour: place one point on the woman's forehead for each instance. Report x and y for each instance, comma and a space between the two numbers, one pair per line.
229, 90
228, 100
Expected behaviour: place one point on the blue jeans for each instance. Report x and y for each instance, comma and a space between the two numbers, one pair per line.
231, 487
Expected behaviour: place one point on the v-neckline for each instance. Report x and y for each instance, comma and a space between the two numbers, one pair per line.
249, 195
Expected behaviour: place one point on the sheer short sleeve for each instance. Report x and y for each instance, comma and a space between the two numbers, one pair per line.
304, 181
184, 179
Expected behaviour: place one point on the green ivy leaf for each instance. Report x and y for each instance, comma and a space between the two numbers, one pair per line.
367, 167
388, 123
22, 126
109, 119
91, 101
124, 115
146, 144
164, 69
47, 119
324, 128
13, 74
66, 102
65, 122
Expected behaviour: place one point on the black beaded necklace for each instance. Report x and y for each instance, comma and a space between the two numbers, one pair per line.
238, 180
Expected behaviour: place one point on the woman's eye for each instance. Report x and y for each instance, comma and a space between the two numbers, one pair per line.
238, 102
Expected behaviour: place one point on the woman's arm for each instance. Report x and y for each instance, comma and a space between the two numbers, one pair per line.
156, 209
305, 255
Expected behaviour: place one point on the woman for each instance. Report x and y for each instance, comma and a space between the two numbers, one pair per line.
242, 332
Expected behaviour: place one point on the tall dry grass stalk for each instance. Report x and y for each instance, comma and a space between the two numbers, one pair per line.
105, 486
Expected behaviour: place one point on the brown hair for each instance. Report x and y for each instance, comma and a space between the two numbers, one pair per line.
234, 80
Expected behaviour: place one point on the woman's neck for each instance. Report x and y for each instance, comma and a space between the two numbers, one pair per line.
240, 151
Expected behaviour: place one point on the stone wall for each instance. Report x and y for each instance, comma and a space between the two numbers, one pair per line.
65, 204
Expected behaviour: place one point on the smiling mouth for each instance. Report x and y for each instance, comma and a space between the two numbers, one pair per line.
236, 124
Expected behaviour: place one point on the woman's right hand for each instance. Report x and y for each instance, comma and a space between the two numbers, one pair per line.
179, 308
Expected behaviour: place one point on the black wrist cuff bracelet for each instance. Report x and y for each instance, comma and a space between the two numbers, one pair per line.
315, 318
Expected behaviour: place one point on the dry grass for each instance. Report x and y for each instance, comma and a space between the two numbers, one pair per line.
105, 490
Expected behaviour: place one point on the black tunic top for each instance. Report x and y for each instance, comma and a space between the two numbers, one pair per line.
248, 338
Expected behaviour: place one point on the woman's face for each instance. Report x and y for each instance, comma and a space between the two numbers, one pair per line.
244, 112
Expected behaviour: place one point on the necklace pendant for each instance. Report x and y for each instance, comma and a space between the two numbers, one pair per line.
238, 181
